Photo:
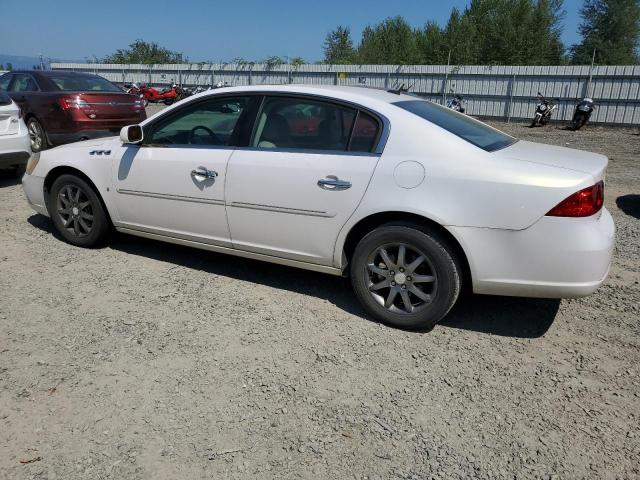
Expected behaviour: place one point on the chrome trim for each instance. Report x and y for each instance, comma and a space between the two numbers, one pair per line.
271, 208
164, 196
232, 251
203, 172
112, 104
334, 184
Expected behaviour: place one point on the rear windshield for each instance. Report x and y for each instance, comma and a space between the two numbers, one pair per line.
463, 126
83, 84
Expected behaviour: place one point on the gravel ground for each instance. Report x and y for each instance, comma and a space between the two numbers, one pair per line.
146, 360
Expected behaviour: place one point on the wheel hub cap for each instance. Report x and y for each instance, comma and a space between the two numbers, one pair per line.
76, 211
400, 278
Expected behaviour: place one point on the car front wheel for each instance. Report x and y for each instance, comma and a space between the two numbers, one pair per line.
77, 212
405, 276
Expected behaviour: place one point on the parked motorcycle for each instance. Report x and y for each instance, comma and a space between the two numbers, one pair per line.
582, 114
456, 103
152, 95
544, 110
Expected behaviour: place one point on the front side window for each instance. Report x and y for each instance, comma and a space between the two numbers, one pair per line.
5, 80
210, 122
465, 127
292, 123
81, 83
24, 83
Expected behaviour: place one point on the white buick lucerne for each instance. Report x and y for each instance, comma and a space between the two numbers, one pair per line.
408, 198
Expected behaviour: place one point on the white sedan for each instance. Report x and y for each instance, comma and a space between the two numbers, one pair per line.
408, 198
15, 145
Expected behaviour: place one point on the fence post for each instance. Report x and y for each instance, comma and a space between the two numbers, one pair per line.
149, 83
212, 77
179, 76
511, 87
123, 77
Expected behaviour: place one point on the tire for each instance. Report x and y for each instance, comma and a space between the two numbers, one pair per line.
168, 101
37, 135
79, 218
375, 279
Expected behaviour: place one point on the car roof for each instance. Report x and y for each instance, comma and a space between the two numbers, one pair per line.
53, 73
343, 92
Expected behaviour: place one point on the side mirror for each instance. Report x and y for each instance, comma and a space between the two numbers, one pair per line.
131, 134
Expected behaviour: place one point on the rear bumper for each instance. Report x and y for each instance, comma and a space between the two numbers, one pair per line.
554, 258
15, 149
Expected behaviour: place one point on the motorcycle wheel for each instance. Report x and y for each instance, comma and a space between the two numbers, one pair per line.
544, 121
168, 101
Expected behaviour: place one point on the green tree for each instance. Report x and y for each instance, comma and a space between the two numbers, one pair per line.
1, 66
297, 61
9, 66
338, 46
145, 53
612, 29
392, 42
431, 46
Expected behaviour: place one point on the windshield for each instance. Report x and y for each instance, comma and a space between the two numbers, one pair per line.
463, 126
83, 84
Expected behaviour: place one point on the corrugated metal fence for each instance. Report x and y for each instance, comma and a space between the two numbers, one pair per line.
489, 91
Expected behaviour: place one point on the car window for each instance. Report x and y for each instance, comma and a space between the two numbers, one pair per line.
5, 80
23, 83
211, 122
82, 83
303, 124
465, 127
365, 133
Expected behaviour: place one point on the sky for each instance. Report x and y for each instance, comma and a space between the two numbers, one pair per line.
208, 30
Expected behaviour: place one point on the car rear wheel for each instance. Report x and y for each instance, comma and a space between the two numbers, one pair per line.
77, 212
37, 135
405, 276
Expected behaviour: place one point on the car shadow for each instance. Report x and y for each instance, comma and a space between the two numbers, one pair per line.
502, 316
629, 204
8, 178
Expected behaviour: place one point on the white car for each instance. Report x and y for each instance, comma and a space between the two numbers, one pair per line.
15, 146
407, 197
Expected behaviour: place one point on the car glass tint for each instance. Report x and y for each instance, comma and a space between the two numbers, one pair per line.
210, 122
5, 80
465, 127
364, 134
292, 123
23, 83
68, 83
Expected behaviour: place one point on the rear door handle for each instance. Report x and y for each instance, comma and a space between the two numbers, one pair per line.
203, 172
333, 183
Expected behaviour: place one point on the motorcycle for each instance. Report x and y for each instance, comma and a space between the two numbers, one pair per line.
544, 110
456, 103
152, 95
582, 114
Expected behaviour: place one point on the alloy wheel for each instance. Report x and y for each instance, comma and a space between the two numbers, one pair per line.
401, 278
35, 135
75, 210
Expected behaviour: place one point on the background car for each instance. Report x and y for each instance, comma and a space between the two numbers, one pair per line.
63, 107
412, 200
15, 147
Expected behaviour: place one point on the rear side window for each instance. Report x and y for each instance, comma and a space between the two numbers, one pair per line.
81, 83
24, 83
463, 126
365, 133
293, 123
5, 80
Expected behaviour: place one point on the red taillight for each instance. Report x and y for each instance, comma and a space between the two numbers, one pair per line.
584, 203
71, 102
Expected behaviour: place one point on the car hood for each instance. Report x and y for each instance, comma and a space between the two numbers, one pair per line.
94, 143
562, 157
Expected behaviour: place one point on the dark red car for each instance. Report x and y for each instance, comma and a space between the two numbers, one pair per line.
61, 107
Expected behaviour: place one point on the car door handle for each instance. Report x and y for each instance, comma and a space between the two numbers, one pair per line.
204, 173
333, 183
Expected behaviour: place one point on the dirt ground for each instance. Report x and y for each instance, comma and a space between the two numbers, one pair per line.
146, 360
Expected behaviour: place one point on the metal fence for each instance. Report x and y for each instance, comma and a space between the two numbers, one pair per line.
489, 91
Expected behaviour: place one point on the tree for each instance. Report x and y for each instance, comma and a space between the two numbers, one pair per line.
1, 67
392, 41
9, 66
145, 53
338, 46
612, 29
297, 61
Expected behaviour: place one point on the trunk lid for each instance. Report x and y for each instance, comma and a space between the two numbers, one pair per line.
9, 116
561, 157
110, 106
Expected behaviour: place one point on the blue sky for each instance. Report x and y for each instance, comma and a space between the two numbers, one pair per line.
207, 30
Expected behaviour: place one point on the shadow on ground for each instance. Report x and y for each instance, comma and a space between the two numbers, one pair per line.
629, 204
8, 177
503, 316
